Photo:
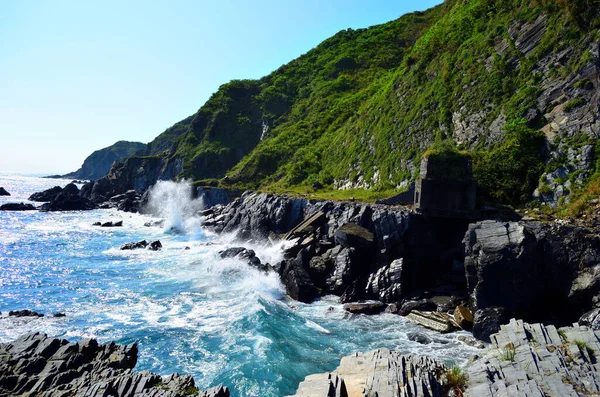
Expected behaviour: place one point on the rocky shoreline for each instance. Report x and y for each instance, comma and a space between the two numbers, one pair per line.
442, 273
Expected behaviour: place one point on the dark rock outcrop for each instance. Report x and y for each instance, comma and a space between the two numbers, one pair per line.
36, 365
155, 245
24, 313
134, 245
365, 308
379, 372
17, 207
534, 271
3, 192
247, 255
46, 195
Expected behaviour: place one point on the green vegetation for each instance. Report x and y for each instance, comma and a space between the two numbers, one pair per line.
508, 353
362, 107
585, 347
563, 335
456, 380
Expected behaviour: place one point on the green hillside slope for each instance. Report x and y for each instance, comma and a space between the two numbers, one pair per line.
513, 82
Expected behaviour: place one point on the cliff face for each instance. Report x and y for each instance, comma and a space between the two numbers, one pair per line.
513, 82
97, 164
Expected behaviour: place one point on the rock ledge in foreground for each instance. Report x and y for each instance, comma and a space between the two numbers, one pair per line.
380, 372
37, 365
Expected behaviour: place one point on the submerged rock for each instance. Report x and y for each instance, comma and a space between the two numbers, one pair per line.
248, 255
37, 365
365, 308
3, 192
17, 207
155, 245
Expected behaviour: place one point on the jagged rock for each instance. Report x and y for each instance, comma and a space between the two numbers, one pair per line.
17, 207
134, 245
591, 319
109, 224
440, 322
463, 317
3, 192
36, 365
351, 235
155, 245
59, 314
387, 282
534, 360
296, 279
248, 255
24, 313
46, 195
487, 321
534, 271
382, 373
365, 308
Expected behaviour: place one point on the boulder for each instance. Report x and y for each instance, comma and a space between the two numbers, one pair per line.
365, 308
24, 313
423, 305
463, 317
17, 207
109, 224
3, 192
134, 245
297, 281
351, 235
419, 337
155, 245
36, 365
46, 195
68, 203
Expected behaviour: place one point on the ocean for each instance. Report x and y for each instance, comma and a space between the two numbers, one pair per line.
190, 311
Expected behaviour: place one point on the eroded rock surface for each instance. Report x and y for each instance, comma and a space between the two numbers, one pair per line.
37, 365
534, 360
381, 373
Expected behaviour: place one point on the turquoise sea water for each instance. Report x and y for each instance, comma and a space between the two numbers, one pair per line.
189, 311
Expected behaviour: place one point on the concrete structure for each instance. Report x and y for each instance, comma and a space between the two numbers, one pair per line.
446, 188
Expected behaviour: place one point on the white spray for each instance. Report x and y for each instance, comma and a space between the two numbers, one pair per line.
173, 201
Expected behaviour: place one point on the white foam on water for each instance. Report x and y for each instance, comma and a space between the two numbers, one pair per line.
173, 201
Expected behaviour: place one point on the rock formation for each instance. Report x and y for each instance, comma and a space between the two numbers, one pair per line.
37, 365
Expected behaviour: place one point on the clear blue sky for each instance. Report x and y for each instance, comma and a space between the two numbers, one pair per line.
76, 76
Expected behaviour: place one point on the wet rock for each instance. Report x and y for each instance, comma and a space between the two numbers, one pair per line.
155, 245
379, 372
36, 365
463, 317
46, 195
3, 192
365, 308
17, 207
247, 255
68, 199
419, 337
109, 224
59, 314
24, 313
470, 341
134, 245
487, 322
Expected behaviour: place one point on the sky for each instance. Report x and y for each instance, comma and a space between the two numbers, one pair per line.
77, 76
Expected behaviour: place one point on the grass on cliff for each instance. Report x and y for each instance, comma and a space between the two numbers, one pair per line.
364, 105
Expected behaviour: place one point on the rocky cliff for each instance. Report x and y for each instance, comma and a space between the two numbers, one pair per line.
97, 164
